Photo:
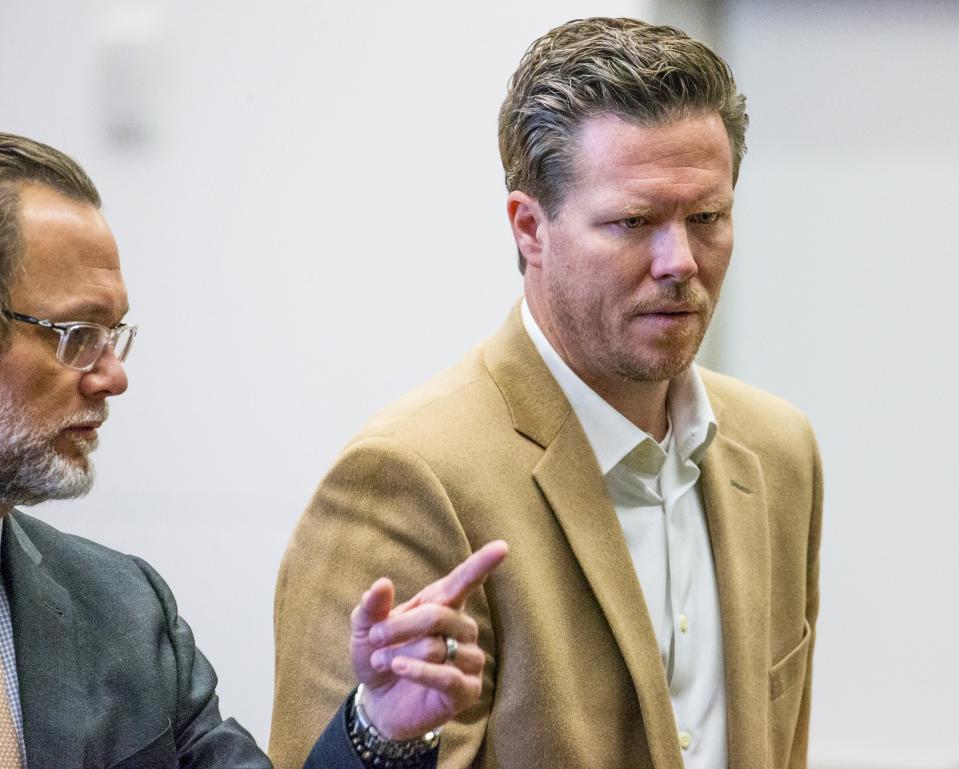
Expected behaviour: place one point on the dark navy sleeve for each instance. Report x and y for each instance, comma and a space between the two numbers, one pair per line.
333, 750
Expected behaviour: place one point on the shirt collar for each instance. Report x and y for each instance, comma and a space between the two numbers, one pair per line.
611, 435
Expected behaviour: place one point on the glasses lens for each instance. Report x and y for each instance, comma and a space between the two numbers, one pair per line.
82, 346
121, 347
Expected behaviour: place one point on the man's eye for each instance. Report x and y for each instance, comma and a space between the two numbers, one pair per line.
704, 217
632, 222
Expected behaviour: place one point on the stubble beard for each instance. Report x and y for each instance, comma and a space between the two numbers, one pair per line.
31, 468
679, 355
615, 356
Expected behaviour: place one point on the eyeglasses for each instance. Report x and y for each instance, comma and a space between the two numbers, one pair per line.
82, 344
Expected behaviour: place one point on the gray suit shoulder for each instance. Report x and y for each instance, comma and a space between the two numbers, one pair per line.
92, 570
140, 666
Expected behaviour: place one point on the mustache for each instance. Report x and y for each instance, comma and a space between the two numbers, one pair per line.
98, 413
694, 297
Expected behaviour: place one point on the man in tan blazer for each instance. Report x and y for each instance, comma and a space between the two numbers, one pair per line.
659, 606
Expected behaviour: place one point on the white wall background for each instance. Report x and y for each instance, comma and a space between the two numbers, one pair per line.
310, 224
309, 205
844, 291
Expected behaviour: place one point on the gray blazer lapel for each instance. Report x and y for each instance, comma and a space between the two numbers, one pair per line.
735, 496
52, 694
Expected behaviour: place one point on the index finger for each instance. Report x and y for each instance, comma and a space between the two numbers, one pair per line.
455, 587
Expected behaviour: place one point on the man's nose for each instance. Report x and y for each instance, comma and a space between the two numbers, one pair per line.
106, 378
672, 254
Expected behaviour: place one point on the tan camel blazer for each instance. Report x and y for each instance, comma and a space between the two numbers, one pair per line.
491, 449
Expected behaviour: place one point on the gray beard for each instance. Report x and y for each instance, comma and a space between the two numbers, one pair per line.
31, 470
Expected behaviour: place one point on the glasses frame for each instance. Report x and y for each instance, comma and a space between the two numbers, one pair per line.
110, 335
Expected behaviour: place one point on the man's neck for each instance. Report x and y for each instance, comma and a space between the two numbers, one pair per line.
4, 510
642, 403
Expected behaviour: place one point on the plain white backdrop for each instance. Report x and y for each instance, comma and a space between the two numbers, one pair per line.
843, 300
309, 205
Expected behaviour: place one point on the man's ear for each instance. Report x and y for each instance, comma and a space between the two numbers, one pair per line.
528, 221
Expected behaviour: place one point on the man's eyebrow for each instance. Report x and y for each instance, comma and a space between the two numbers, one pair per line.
717, 203
710, 203
85, 310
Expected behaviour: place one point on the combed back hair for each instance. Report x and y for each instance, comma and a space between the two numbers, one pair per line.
25, 161
641, 73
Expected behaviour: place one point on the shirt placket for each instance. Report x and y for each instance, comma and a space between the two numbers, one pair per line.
679, 478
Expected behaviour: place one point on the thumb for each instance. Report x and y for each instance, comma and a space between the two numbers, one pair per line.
374, 606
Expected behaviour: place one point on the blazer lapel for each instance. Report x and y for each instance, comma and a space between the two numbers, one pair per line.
52, 697
570, 480
735, 498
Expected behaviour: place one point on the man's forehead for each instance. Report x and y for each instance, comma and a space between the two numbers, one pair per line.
691, 139
70, 260
46, 213
692, 153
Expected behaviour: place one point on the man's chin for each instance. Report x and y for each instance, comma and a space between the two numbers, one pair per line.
67, 478
50, 475
657, 366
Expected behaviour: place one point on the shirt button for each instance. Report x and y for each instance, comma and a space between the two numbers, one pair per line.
685, 740
683, 622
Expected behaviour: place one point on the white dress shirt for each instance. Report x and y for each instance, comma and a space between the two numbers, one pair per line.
654, 489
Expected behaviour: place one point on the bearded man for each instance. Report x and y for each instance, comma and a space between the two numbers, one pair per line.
98, 669
660, 604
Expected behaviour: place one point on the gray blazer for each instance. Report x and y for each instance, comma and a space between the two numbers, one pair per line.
109, 673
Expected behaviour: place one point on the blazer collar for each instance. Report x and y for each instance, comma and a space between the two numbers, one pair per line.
536, 402
52, 696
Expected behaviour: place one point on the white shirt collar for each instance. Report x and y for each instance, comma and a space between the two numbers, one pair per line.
611, 435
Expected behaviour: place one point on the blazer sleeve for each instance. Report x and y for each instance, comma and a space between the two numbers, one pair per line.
333, 748
203, 739
381, 511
